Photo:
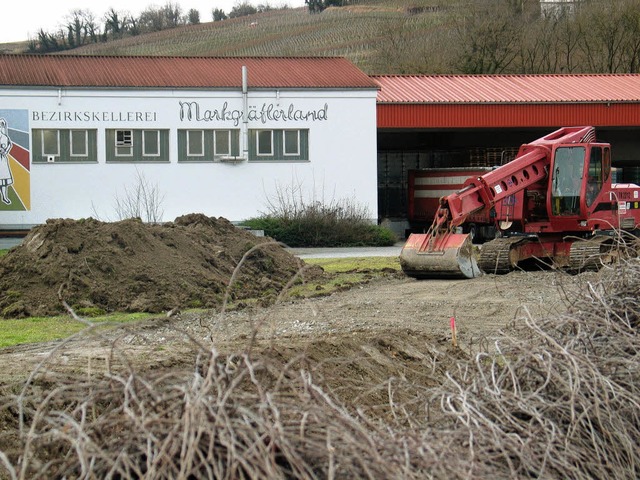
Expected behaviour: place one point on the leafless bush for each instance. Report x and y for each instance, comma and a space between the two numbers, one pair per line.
294, 202
558, 399
300, 217
143, 200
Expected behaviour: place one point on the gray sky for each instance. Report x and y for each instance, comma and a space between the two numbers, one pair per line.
21, 19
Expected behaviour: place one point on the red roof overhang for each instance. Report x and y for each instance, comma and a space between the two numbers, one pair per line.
506, 115
476, 101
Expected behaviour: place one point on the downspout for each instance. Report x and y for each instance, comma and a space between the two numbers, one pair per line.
245, 115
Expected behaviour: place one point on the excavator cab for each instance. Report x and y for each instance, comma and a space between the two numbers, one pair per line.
578, 173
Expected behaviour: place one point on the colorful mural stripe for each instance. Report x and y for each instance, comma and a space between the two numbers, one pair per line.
15, 161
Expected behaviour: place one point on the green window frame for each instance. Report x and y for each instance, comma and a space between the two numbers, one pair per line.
222, 142
51, 142
137, 145
124, 143
207, 145
291, 143
79, 143
264, 143
195, 143
51, 145
151, 143
281, 145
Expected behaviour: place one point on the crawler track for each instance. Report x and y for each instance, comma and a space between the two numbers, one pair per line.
495, 256
591, 254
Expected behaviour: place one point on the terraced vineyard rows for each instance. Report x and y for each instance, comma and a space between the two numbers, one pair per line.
352, 32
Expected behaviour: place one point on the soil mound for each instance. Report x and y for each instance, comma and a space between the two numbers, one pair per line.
132, 266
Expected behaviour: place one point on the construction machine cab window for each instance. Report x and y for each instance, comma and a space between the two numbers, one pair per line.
568, 169
596, 175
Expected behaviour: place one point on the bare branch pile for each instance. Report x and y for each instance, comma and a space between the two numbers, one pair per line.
558, 399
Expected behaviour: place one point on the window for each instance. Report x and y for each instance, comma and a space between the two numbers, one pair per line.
291, 142
222, 142
51, 142
150, 143
595, 176
137, 145
64, 145
265, 142
566, 181
208, 145
124, 143
79, 143
195, 143
279, 145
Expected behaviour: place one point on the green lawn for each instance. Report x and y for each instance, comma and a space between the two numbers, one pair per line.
44, 329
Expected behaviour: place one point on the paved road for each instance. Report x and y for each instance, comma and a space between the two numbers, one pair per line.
394, 251
8, 242
303, 253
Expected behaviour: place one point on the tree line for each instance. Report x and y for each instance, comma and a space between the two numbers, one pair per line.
81, 27
517, 37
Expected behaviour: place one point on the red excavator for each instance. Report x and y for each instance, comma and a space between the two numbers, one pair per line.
554, 202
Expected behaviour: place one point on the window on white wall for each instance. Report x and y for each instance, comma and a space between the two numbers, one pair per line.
291, 142
279, 145
128, 145
64, 145
79, 143
51, 142
222, 142
207, 145
195, 143
264, 146
124, 143
150, 143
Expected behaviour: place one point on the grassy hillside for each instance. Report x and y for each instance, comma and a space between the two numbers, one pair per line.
359, 32
417, 36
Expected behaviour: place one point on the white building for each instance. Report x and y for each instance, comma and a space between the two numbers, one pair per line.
559, 7
85, 130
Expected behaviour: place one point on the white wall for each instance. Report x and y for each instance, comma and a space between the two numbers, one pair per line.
342, 152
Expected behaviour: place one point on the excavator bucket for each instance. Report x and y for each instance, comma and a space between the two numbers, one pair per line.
448, 255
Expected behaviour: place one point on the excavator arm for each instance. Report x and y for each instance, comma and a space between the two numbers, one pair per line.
442, 253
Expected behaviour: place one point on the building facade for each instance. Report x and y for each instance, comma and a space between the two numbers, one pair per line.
218, 136
434, 122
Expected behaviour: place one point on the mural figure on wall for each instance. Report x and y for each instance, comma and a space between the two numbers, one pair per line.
6, 178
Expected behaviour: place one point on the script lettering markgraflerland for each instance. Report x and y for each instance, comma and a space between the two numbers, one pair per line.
267, 112
271, 113
190, 111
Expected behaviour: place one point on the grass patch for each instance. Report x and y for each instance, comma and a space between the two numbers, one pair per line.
45, 329
3, 252
361, 265
345, 273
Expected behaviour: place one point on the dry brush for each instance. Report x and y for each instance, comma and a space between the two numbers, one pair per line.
558, 398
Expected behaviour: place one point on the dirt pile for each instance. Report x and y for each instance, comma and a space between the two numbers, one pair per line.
132, 266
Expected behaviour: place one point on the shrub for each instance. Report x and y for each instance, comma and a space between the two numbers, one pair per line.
298, 222
322, 232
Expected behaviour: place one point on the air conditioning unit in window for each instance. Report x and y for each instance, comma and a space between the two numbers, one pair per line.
51, 158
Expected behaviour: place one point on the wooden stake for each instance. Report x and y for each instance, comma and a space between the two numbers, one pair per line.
454, 334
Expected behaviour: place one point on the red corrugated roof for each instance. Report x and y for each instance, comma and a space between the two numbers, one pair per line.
180, 72
484, 89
